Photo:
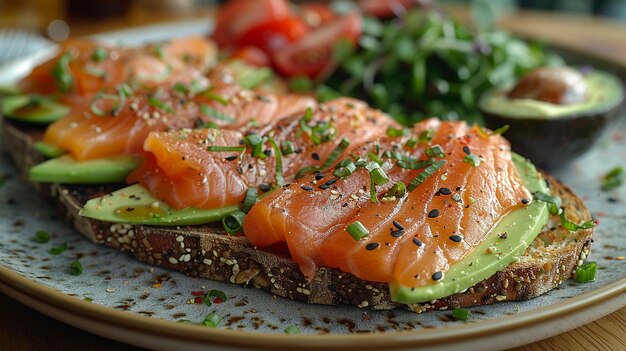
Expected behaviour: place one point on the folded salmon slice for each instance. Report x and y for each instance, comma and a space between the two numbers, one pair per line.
411, 238
180, 171
87, 67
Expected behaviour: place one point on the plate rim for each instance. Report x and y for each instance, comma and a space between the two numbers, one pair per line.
25, 288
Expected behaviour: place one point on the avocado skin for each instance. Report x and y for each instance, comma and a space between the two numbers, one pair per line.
553, 143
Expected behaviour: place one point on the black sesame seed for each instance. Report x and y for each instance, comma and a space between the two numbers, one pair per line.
372, 246
525, 201
397, 233
398, 225
307, 188
239, 170
230, 158
417, 242
445, 191
324, 187
437, 275
466, 149
331, 181
433, 213
315, 156
456, 238
319, 176
612, 200
265, 187
268, 152
458, 188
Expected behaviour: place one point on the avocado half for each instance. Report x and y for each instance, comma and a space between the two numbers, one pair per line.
552, 135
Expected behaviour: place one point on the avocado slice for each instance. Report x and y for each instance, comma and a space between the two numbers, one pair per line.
522, 227
7, 90
135, 205
67, 170
48, 150
33, 109
552, 135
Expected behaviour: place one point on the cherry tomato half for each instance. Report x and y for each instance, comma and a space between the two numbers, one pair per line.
252, 55
274, 35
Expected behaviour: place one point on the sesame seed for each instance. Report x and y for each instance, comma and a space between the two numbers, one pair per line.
265, 187
417, 242
397, 233
372, 246
319, 176
466, 149
398, 225
456, 238
525, 201
331, 182
324, 187
315, 156
433, 213
445, 191
437, 275
307, 188
231, 158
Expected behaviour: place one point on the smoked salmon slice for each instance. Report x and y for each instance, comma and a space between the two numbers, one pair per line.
211, 168
459, 182
85, 67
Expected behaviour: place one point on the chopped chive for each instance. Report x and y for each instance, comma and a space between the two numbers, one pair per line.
280, 180
586, 273
212, 320
411, 142
345, 171
249, 200
58, 249
571, 226
117, 100
357, 231
426, 136
155, 102
292, 330
343, 145
88, 299
99, 54
501, 130
213, 113
472, 160
233, 223
287, 147
372, 156
397, 190
181, 88
613, 179
76, 268
554, 202
61, 73
429, 171
377, 174
184, 321
306, 170
461, 314
42, 236
435, 151
397, 132
253, 140
218, 148
414, 164
218, 98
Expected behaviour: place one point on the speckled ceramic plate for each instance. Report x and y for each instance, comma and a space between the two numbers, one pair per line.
139, 304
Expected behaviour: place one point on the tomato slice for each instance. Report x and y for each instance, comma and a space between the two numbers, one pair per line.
252, 55
236, 17
274, 35
390, 8
316, 14
312, 55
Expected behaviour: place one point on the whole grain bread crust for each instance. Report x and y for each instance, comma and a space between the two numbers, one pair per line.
207, 252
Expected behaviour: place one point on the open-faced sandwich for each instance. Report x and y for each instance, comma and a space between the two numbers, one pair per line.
328, 203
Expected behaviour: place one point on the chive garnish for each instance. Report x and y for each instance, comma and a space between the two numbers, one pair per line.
435, 151
414, 164
377, 177
306, 170
571, 226
154, 102
461, 314
213, 113
287, 147
472, 160
429, 171
76, 268
61, 73
343, 145
411, 142
279, 163
397, 190
586, 272
58, 249
99, 54
233, 223
217, 98
345, 171
372, 156
396, 132
42, 236
554, 202
218, 148
212, 320
292, 330
249, 200
426, 136
117, 100
613, 179
357, 231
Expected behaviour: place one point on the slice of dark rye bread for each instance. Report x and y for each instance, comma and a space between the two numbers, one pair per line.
205, 251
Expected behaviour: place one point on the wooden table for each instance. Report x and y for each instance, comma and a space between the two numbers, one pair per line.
22, 328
